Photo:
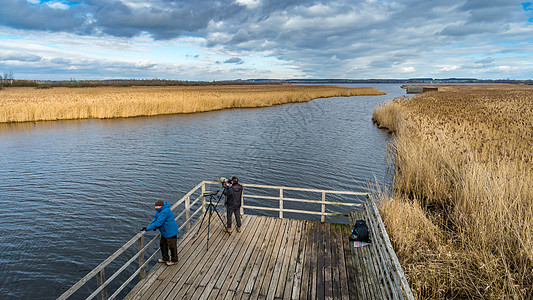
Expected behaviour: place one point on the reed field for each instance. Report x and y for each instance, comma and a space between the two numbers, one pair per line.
29, 104
461, 212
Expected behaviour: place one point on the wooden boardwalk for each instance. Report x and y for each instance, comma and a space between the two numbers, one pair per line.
272, 258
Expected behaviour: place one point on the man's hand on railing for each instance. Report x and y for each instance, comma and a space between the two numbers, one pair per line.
143, 229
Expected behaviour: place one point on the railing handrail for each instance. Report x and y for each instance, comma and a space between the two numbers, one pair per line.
189, 217
122, 249
274, 187
390, 250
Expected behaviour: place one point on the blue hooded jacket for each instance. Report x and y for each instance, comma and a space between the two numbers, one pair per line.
164, 220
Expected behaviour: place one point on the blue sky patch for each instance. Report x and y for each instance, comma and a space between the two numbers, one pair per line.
528, 7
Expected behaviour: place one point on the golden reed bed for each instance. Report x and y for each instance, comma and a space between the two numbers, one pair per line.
30, 104
461, 217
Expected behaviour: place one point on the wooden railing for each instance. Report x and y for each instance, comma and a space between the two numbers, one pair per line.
189, 201
393, 278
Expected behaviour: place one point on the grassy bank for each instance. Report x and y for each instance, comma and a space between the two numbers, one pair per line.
461, 217
30, 104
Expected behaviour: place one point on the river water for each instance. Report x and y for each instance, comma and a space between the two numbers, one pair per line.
72, 192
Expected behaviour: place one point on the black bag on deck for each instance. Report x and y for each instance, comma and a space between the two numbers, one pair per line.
360, 231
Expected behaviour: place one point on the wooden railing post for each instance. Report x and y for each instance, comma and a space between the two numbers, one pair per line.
188, 212
281, 203
140, 246
323, 217
203, 198
100, 279
242, 204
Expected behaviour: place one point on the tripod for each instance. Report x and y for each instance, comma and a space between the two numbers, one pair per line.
209, 210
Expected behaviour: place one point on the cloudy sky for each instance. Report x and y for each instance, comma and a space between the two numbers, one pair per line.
244, 39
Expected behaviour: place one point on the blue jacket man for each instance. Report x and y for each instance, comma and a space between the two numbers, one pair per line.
165, 222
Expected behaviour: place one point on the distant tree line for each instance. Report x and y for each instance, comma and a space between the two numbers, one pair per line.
7, 79
47, 84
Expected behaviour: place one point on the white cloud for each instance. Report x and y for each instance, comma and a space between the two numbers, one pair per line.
449, 68
408, 69
506, 68
249, 3
57, 5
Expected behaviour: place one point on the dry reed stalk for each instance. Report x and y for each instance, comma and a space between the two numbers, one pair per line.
29, 104
463, 157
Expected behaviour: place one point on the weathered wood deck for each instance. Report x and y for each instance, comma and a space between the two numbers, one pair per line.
271, 258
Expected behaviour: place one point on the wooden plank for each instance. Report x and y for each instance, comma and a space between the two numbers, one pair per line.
358, 266
256, 260
370, 262
195, 243
322, 261
315, 253
277, 283
267, 268
158, 285
215, 260
307, 256
328, 268
372, 286
335, 265
143, 286
235, 274
166, 281
245, 268
189, 268
344, 288
285, 283
257, 276
222, 274
350, 269
347, 261
294, 290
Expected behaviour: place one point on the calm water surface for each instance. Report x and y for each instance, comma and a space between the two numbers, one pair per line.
72, 192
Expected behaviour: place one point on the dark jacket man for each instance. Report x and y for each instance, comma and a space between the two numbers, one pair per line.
233, 195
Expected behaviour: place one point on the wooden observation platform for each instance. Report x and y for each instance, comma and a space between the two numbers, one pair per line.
272, 258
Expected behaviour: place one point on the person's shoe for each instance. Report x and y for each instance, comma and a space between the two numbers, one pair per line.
239, 229
229, 230
170, 263
160, 260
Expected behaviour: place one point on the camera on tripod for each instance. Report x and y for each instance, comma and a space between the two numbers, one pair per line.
224, 181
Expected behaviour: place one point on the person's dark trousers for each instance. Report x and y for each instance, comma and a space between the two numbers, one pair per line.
236, 211
172, 244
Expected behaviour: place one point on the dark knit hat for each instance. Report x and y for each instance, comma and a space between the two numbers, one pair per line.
159, 203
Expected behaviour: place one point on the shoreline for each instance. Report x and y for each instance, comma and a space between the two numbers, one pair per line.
460, 214
31, 105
